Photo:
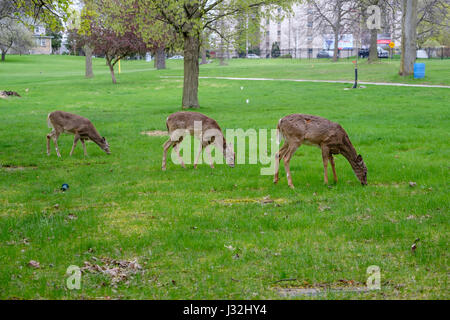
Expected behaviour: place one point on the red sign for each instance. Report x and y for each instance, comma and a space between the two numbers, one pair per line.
383, 41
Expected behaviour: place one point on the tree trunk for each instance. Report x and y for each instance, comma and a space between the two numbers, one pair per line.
409, 36
204, 56
336, 48
88, 52
3, 55
191, 70
160, 58
111, 69
373, 51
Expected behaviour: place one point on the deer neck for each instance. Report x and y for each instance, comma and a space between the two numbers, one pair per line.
95, 136
349, 152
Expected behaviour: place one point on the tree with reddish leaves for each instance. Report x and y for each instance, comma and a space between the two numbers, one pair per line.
114, 46
116, 30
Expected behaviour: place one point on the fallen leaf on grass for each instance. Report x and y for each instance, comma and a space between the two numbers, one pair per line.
34, 264
117, 270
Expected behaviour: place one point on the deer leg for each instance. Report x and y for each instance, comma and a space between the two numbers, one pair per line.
175, 147
49, 136
84, 147
208, 151
200, 149
325, 158
55, 137
75, 141
332, 167
280, 154
287, 158
166, 147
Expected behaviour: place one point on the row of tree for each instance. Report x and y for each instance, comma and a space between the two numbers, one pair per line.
115, 29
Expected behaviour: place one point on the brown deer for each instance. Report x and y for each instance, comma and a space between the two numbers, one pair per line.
200, 126
82, 128
298, 129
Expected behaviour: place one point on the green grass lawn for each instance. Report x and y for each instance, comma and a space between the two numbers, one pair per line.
205, 233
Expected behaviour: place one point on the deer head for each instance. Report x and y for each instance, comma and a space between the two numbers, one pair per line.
229, 154
104, 145
360, 170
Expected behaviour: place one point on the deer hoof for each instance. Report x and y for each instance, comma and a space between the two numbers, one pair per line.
163, 169
291, 186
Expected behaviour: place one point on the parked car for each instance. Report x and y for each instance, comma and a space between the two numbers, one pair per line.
252, 56
176, 57
382, 53
323, 54
363, 53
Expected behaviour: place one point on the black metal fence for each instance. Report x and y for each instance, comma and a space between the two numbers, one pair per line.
320, 53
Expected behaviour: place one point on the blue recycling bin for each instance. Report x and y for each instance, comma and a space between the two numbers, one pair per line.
419, 70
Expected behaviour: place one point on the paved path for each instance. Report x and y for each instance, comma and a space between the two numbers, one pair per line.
325, 81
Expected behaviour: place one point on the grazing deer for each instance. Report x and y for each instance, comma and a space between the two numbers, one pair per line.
298, 129
200, 126
82, 128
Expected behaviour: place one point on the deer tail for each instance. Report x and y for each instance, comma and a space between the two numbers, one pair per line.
49, 123
279, 134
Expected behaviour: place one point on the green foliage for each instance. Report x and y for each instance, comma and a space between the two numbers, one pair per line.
48, 12
275, 51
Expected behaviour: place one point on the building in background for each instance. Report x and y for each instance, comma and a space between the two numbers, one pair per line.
43, 42
298, 35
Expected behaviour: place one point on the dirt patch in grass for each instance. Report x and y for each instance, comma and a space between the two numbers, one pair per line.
342, 286
155, 133
296, 292
10, 167
264, 200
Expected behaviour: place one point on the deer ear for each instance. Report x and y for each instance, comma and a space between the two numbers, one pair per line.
359, 158
103, 139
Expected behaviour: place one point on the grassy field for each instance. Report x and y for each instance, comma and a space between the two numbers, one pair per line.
209, 233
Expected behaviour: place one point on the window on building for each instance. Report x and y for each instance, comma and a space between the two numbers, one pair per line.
42, 42
279, 32
268, 33
310, 11
310, 24
309, 38
267, 44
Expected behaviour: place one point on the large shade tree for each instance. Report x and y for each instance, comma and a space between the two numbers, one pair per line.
409, 37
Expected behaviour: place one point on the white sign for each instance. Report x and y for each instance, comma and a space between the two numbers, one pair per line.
345, 41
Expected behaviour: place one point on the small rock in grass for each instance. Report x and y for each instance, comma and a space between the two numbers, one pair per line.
412, 184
